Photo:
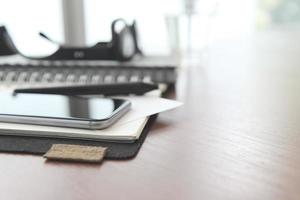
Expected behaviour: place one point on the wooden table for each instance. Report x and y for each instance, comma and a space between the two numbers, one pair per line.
236, 137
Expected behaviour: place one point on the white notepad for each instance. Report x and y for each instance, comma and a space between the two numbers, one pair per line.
127, 129
125, 132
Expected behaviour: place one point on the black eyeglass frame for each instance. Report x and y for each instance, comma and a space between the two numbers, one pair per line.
112, 50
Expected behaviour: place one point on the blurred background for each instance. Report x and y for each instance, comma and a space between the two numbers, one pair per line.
165, 26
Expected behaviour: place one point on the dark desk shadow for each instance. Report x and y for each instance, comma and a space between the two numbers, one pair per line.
158, 126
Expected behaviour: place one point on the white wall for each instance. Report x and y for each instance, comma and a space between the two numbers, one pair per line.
24, 19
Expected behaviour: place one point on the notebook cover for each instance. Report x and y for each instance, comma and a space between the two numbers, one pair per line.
39, 146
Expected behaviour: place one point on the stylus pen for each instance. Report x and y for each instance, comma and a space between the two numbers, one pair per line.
137, 88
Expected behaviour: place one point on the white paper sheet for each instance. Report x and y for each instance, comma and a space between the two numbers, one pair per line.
143, 106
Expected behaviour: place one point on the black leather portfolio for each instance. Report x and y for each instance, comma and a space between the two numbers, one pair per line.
39, 146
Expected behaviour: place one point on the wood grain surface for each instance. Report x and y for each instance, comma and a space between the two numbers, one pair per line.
236, 137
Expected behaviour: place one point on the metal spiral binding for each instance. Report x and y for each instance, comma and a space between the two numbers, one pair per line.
55, 74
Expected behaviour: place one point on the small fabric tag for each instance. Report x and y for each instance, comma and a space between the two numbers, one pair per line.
79, 153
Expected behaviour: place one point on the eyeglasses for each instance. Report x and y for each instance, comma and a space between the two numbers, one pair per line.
122, 47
